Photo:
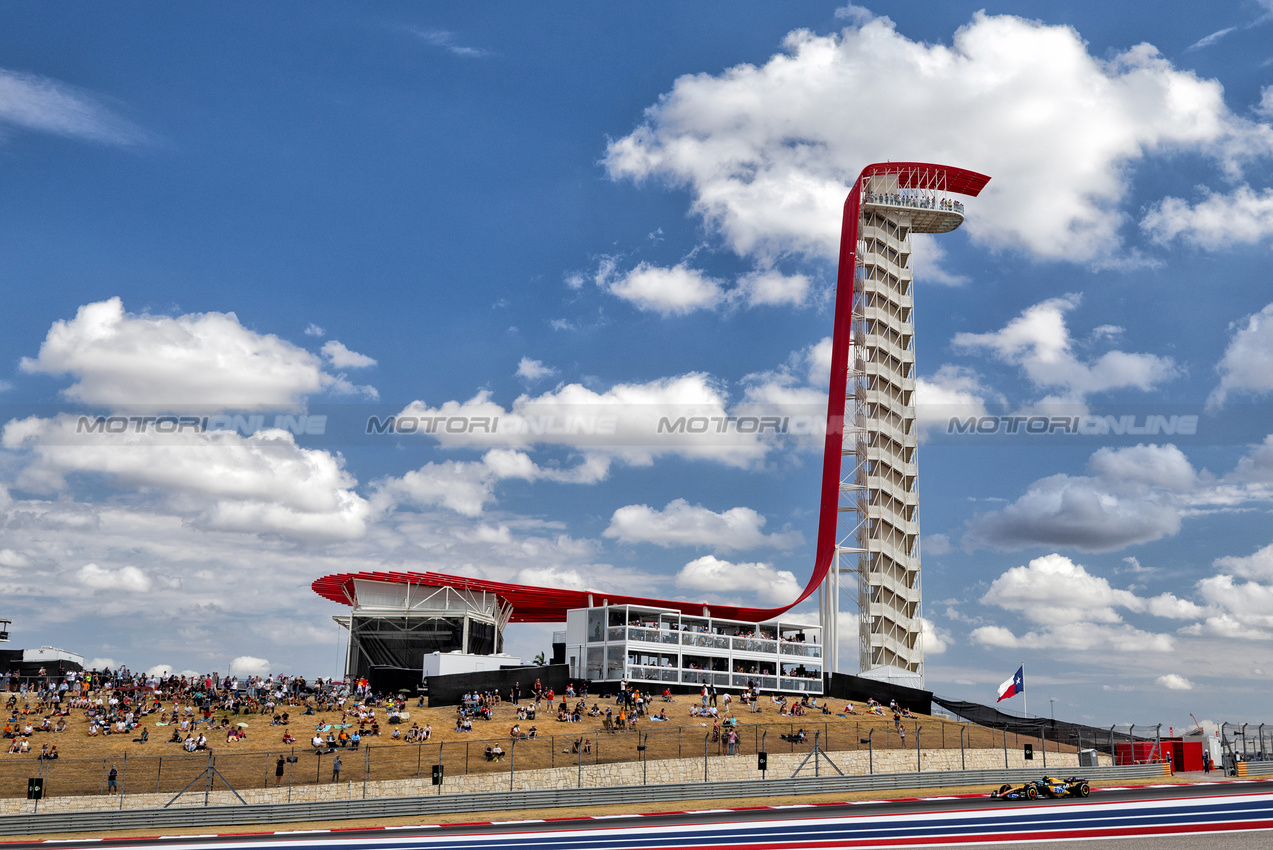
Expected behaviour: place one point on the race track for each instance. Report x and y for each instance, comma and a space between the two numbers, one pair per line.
1232, 808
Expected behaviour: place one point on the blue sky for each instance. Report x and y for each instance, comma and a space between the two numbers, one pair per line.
510, 210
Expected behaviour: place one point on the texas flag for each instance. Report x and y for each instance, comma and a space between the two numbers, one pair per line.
1013, 686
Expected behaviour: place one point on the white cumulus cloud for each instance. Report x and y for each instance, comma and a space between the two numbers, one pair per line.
534, 370
122, 359
248, 665
1174, 682
669, 291
1247, 365
128, 579
342, 358
1039, 342
1215, 223
723, 579
767, 151
264, 482
1133, 495
681, 524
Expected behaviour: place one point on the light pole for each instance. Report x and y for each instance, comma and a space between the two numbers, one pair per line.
1053, 701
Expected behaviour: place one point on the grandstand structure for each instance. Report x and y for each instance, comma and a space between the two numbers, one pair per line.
868, 515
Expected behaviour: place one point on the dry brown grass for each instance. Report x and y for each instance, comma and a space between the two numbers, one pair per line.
159, 766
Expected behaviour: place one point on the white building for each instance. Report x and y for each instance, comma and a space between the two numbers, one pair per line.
659, 647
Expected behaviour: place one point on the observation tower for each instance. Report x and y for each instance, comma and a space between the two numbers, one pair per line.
873, 469
868, 512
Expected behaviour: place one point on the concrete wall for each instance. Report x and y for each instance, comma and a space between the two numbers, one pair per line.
666, 771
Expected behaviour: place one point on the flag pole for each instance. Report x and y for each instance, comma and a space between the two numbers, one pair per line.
1025, 699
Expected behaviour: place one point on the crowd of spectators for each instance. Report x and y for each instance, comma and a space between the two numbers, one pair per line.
208, 710
917, 201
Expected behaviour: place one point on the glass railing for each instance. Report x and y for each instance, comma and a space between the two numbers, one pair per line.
653, 674
616, 633
755, 645
670, 637
896, 200
706, 641
811, 685
807, 650
646, 635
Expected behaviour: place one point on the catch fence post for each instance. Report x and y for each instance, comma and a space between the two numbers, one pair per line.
512, 762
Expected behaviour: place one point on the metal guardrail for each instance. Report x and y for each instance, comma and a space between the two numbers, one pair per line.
426, 806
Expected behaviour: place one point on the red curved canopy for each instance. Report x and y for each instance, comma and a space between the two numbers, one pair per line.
549, 605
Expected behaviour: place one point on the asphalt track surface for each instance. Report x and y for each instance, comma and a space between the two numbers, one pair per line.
1215, 816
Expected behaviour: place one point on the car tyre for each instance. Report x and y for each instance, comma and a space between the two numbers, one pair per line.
1031, 792
1085, 790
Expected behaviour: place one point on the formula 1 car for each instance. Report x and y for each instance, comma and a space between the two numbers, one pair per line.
1048, 786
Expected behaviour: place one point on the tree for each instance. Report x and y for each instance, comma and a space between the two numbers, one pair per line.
540, 660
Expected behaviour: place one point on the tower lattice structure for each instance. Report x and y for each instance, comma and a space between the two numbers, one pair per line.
877, 525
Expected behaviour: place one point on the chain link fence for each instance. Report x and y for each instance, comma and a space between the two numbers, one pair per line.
171, 771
